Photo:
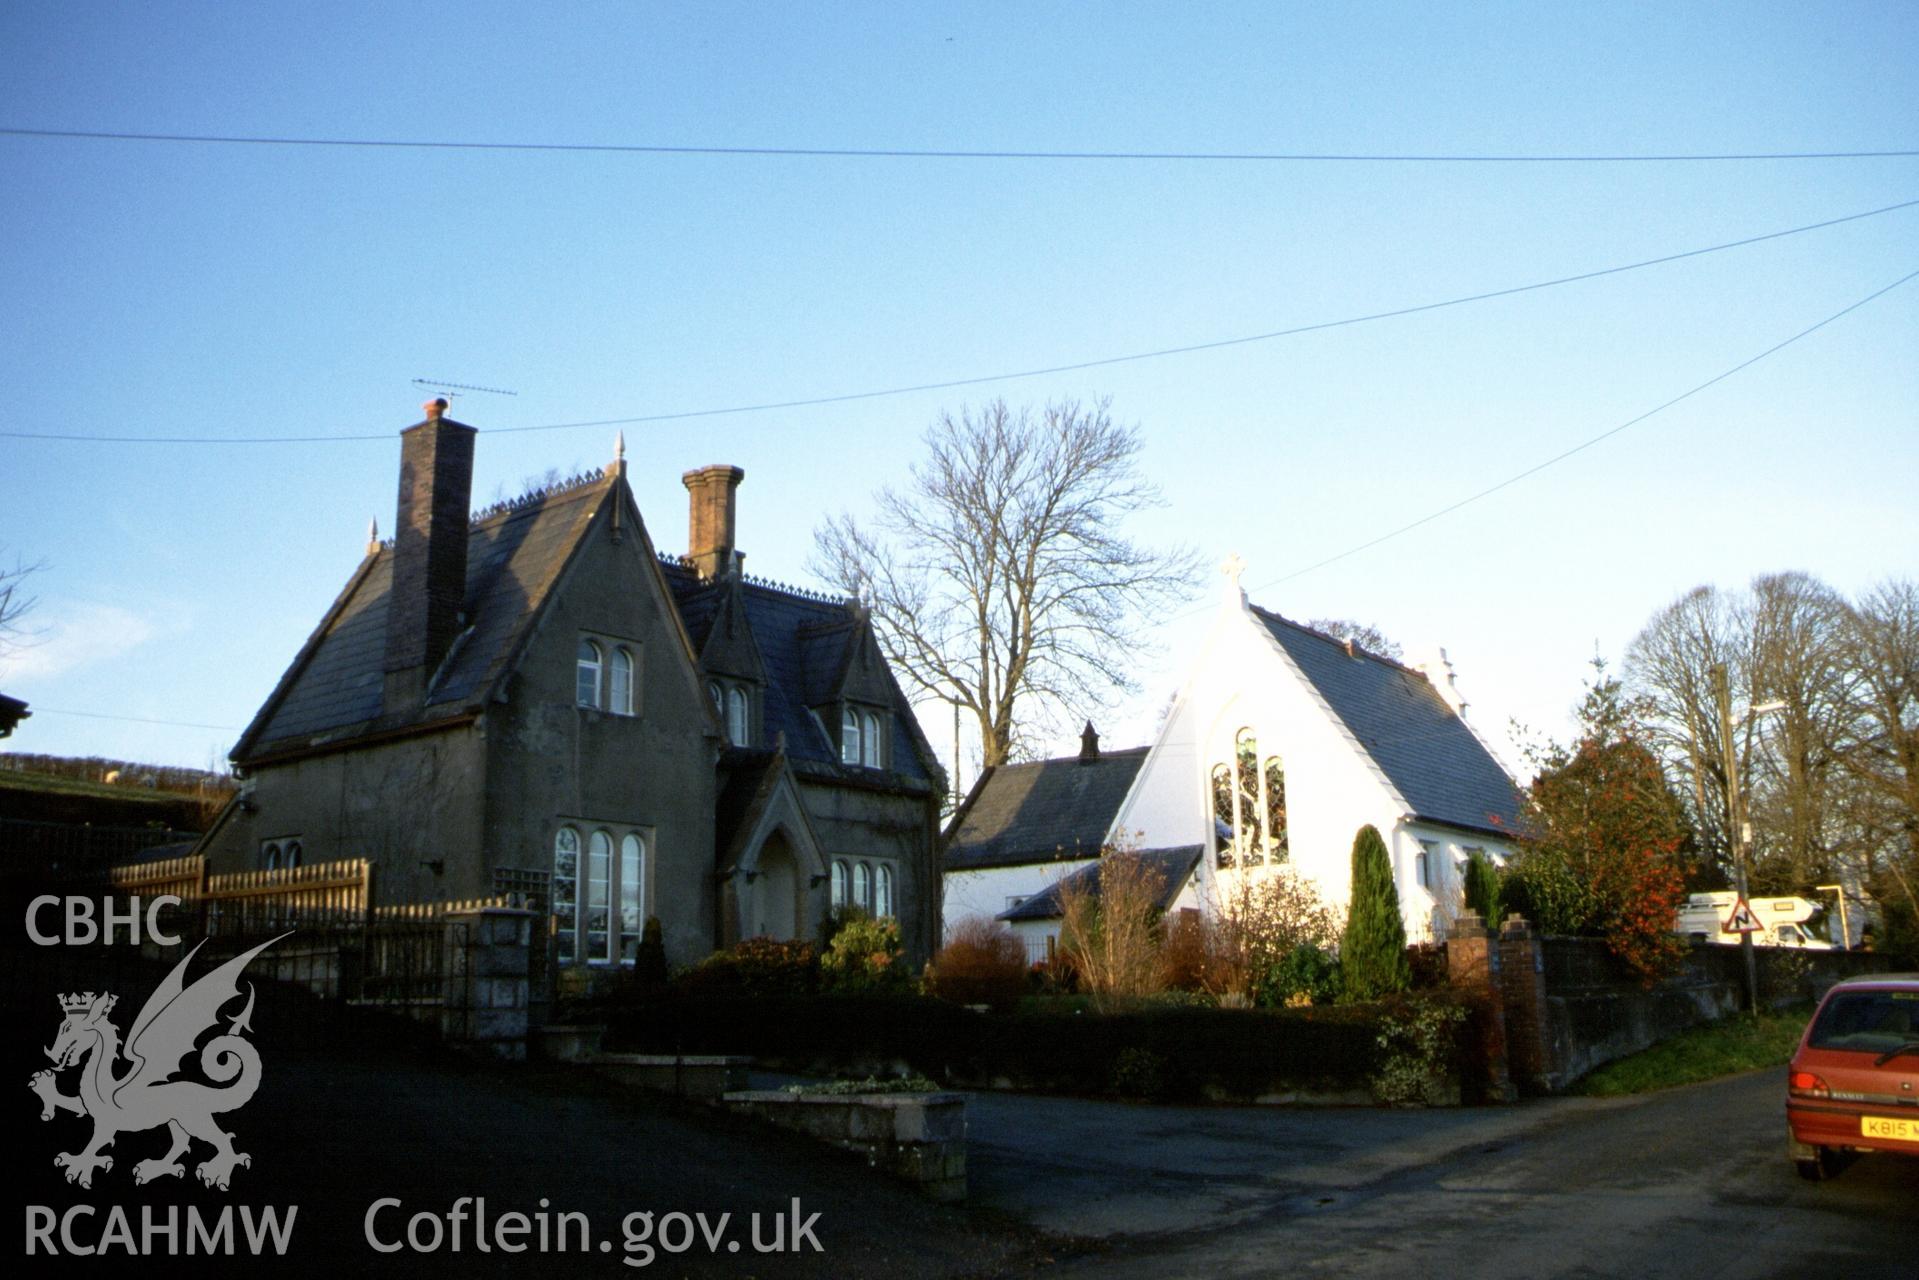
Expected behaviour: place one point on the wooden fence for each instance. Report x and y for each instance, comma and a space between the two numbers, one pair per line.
343, 947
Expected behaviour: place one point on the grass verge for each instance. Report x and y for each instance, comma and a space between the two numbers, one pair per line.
1734, 1043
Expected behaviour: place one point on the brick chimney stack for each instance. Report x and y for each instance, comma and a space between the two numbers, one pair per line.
1089, 744
429, 553
710, 519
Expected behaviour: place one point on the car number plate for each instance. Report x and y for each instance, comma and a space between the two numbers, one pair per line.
1888, 1127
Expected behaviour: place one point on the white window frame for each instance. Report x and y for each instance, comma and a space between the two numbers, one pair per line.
620, 682
622, 894
589, 664
870, 740
863, 886
883, 891
842, 883
1423, 864
630, 914
739, 717
849, 735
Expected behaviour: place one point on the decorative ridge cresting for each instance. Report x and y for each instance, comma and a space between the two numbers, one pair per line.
538, 494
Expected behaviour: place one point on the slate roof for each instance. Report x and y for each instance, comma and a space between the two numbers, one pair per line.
1434, 760
12, 712
514, 555
1170, 867
750, 778
788, 626
1045, 811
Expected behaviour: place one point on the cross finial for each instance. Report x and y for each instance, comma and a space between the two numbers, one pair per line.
1232, 567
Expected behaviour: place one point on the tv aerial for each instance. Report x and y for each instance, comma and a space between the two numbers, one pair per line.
452, 390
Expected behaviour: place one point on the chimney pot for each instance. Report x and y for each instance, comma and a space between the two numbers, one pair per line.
434, 408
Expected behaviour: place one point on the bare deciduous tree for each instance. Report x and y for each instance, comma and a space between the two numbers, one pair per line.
1001, 576
1882, 640
1798, 659
1364, 635
1669, 671
1830, 674
15, 604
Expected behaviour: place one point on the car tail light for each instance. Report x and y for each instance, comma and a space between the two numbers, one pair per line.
1804, 1084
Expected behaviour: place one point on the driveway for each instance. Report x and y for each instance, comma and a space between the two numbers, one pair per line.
334, 1130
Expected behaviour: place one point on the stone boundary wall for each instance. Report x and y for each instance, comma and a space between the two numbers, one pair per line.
1567, 1006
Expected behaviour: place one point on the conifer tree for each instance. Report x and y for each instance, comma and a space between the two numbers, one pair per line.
1482, 889
1372, 952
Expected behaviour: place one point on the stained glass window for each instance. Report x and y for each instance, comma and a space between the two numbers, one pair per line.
1276, 809
1252, 822
1223, 816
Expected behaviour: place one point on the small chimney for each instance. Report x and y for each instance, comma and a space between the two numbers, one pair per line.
1438, 670
710, 519
429, 553
1089, 744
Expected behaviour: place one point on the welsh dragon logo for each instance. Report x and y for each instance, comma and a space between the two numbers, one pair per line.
146, 1096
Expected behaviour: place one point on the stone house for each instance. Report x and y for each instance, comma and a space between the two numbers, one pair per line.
1281, 743
533, 699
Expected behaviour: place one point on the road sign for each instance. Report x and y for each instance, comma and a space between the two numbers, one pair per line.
1742, 920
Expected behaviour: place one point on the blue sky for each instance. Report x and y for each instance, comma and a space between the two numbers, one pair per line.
163, 290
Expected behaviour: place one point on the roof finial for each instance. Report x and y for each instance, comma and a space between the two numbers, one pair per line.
617, 467
372, 536
1233, 567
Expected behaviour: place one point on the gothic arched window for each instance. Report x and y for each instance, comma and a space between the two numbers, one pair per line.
1252, 821
1276, 809
1222, 789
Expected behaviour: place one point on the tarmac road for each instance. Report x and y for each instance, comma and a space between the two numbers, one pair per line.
1690, 1182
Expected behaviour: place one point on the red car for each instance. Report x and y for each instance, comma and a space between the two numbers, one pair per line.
1855, 1079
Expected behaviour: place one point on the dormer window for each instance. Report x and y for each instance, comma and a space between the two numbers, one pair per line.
849, 736
862, 738
734, 703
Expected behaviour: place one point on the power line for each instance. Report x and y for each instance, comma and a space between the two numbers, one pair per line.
101, 715
953, 383
915, 153
1583, 445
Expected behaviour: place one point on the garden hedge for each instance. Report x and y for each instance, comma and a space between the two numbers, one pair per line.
1161, 1052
